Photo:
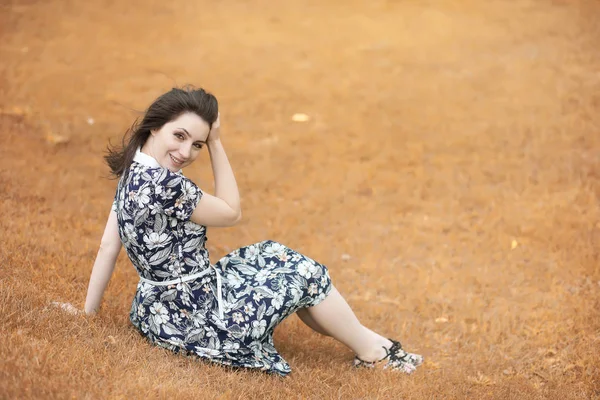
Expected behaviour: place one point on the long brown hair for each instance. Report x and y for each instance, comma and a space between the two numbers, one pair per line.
164, 109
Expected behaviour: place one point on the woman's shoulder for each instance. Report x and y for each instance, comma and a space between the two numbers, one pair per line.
161, 181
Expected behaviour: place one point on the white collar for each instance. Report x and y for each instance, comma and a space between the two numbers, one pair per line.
145, 159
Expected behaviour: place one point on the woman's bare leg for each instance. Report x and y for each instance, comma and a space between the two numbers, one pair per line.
334, 317
311, 323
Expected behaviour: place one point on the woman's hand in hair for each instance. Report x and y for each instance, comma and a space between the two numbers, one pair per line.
215, 130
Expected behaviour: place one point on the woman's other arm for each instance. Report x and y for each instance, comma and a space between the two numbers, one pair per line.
110, 245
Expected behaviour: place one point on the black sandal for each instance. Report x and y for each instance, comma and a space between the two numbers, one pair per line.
399, 360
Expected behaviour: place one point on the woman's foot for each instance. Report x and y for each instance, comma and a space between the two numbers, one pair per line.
398, 359
377, 348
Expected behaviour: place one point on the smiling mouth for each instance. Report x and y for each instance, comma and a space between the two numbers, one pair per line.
176, 160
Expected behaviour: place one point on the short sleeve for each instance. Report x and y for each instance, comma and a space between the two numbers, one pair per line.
118, 196
175, 194
113, 207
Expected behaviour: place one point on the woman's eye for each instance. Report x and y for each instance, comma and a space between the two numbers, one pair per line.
198, 146
179, 136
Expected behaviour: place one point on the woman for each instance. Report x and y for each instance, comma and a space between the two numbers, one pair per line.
225, 312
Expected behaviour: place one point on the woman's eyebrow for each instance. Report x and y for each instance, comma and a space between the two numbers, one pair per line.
183, 129
190, 136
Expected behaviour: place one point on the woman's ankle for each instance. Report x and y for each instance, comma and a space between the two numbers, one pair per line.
377, 350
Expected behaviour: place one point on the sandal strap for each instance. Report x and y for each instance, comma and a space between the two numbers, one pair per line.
397, 358
388, 352
395, 350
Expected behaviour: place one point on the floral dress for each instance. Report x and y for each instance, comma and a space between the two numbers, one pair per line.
229, 313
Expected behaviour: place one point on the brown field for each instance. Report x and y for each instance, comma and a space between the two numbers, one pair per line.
448, 177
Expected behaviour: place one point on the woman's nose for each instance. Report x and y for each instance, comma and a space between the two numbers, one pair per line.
185, 151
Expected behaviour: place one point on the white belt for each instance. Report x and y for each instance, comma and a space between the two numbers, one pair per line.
186, 278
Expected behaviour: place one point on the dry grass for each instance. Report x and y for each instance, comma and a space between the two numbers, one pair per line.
452, 152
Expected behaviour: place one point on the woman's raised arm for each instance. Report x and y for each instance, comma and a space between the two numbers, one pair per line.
222, 209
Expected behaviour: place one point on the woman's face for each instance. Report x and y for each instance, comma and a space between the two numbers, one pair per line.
177, 144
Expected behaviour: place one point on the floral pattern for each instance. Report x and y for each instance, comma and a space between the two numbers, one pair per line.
262, 283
